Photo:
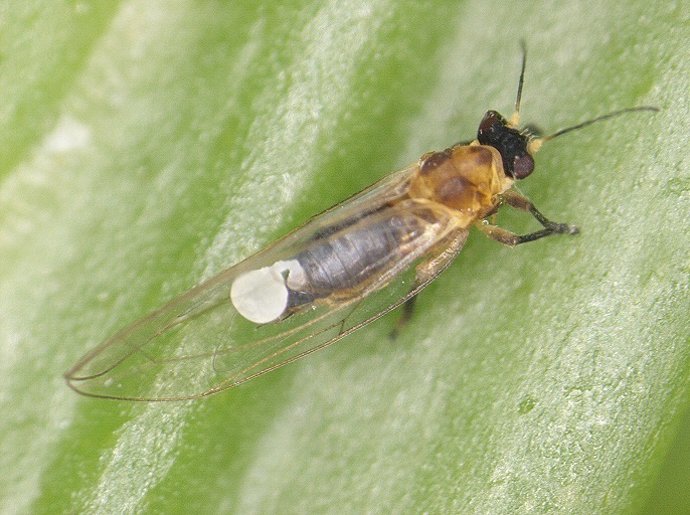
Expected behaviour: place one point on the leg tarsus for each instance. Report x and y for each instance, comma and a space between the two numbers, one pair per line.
554, 227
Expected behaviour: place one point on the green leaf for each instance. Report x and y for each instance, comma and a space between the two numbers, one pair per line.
149, 145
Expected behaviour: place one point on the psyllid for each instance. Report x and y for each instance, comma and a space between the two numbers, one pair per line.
338, 272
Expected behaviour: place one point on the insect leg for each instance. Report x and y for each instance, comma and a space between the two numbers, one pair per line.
517, 201
441, 256
405, 316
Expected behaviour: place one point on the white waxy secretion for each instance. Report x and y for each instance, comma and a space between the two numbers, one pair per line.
261, 296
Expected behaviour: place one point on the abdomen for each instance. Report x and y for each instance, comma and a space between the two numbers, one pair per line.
341, 262
351, 258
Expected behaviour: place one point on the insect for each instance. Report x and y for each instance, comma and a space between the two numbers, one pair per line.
341, 270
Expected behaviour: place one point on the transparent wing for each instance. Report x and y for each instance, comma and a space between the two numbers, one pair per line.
198, 344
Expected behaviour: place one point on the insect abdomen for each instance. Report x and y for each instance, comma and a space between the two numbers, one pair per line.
340, 264
348, 260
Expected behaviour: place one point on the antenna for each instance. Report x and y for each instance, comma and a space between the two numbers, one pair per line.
515, 118
599, 119
535, 144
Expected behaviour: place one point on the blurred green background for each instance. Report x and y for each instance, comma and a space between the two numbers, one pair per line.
148, 145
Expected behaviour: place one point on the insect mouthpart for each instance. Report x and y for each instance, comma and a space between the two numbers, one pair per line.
495, 131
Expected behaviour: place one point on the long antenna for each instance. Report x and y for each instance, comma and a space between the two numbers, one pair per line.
515, 118
535, 144
598, 119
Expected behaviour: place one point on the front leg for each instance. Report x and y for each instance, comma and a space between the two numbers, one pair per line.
517, 201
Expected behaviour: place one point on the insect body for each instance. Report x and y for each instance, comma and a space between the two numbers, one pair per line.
340, 271
440, 199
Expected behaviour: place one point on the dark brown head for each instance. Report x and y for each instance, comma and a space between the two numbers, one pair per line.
512, 144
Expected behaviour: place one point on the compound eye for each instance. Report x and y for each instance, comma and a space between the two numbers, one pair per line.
523, 165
